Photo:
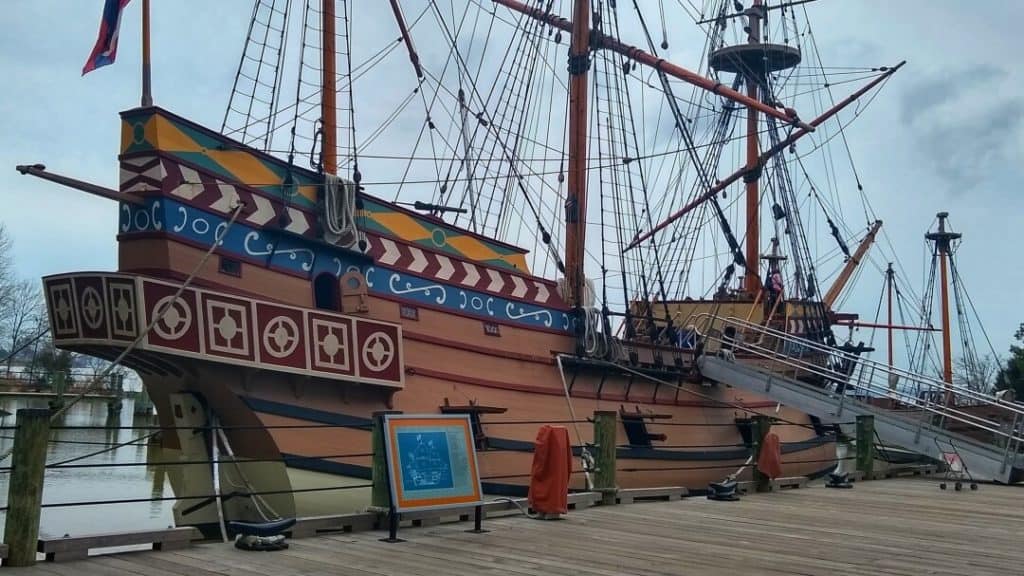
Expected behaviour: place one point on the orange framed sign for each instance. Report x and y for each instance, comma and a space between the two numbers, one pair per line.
431, 461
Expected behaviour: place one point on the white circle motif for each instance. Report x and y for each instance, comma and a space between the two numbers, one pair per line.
280, 337
92, 308
378, 352
176, 321
139, 223
331, 344
227, 327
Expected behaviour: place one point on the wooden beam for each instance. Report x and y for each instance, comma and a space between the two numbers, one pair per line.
39, 171
785, 143
847, 272
599, 40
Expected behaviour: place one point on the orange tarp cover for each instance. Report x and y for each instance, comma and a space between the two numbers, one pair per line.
552, 465
769, 462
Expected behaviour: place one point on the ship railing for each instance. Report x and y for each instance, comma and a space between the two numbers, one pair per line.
856, 377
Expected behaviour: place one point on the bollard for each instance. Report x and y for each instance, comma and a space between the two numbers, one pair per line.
866, 445
25, 491
605, 428
761, 425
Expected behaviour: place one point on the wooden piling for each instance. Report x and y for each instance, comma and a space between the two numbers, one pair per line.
761, 425
605, 438
25, 491
866, 444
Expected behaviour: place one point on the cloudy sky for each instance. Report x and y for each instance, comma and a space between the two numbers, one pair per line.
946, 134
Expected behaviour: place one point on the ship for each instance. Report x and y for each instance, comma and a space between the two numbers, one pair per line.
559, 210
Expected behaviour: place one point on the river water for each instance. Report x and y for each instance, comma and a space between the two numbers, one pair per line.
91, 484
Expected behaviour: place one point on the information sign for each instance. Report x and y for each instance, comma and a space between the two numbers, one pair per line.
431, 462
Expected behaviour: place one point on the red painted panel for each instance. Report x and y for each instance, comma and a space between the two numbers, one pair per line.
379, 351
331, 344
60, 301
122, 316
282, 336
228, 326
92, 307
179, 328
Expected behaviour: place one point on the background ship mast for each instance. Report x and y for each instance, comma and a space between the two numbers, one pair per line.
754, 61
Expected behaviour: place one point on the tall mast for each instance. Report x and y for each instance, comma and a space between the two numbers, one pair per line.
754, 61
147, 85
576, 197
752, 281
889, 279
329, 93
942, 240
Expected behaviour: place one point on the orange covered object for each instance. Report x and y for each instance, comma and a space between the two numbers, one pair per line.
552, 465
769, 462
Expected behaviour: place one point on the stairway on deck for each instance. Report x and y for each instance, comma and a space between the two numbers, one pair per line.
924, 429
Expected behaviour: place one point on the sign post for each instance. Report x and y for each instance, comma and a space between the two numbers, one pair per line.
431, 465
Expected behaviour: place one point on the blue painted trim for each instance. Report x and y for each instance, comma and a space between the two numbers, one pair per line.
295, 255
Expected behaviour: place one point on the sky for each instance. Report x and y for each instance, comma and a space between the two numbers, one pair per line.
947, 133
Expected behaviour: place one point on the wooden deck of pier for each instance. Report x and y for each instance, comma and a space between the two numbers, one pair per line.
899, 526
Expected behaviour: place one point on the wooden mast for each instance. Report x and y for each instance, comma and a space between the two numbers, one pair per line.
329, 94
147, 85
889, 279
847, 272
752, 280
576, 196
942, 240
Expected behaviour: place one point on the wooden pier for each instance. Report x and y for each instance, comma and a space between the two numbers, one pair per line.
898, 526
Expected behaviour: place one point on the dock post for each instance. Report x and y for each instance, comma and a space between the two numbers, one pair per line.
762, 424
866, 445
25, 491
605, 437
380, 493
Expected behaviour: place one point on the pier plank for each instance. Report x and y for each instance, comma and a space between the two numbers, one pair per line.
903, 526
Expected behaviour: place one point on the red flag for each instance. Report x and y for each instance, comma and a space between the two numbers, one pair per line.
106, 44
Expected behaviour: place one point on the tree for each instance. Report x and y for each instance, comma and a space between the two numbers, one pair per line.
52, 362
20, 310
6, 260
975, 373
1011, 376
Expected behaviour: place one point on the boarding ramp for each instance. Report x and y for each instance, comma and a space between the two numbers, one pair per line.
924, 415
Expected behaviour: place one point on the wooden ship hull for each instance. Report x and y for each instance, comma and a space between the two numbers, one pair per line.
291, 344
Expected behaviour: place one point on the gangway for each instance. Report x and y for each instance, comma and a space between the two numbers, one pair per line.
836, 386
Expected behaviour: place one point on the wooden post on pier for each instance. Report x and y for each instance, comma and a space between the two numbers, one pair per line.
605, 427
379, 495
866, 445
762, 424
25, 491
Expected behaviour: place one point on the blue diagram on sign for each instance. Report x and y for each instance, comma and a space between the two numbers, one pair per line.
425, 460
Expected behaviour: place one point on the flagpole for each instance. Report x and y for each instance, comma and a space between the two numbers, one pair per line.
147, 95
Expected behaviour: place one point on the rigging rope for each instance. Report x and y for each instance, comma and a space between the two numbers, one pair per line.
340, 211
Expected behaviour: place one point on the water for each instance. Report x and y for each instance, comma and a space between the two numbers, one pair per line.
91, 484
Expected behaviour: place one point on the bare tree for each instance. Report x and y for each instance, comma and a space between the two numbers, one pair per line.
6, 262
979, 374
20, 311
